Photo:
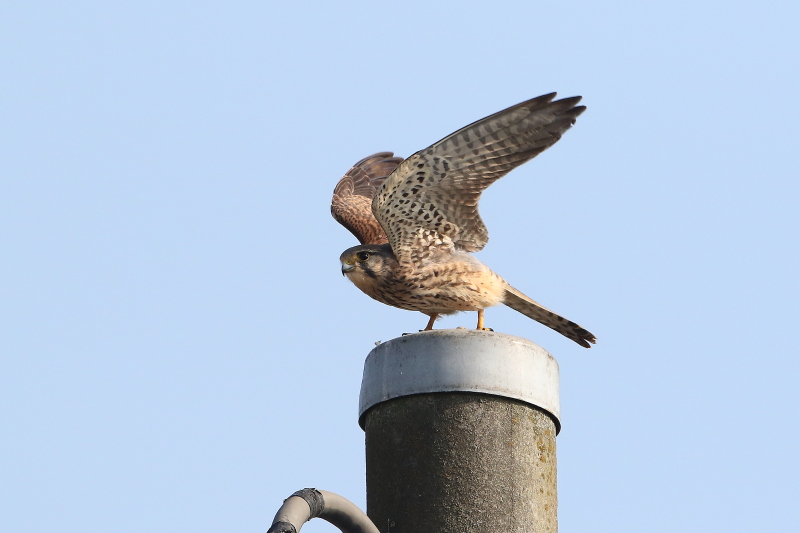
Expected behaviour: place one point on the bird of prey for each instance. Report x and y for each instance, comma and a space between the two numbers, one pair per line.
417, 219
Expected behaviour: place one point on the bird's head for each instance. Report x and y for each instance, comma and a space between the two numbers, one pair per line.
367, 263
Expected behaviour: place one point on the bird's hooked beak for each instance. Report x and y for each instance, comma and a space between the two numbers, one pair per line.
347, 267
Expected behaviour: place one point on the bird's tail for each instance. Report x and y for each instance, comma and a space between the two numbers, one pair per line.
519, 302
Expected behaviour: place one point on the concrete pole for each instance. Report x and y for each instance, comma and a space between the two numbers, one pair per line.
460, 433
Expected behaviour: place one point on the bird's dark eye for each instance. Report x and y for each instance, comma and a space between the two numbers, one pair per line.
362, 256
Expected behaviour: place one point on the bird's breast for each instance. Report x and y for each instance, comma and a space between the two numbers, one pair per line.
443, 287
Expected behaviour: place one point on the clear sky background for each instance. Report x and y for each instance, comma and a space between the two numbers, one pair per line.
179, 351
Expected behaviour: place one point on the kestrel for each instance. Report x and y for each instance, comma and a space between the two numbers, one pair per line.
417, 219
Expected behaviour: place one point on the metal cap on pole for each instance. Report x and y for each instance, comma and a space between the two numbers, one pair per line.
460, 430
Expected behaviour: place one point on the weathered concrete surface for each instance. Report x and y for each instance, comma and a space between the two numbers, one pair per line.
460, 462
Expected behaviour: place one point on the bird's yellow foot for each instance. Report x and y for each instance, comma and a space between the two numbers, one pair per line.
480, 322
430, 323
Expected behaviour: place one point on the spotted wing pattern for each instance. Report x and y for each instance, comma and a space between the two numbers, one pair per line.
438, 188
352, 199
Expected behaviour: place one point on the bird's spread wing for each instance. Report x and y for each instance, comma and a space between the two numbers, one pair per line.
352, 199
436, 190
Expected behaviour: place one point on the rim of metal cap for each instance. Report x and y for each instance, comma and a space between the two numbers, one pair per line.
461, 360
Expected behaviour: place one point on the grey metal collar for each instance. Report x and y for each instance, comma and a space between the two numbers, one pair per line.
461, 360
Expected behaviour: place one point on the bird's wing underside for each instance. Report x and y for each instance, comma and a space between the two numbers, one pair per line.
352, 199
437, 189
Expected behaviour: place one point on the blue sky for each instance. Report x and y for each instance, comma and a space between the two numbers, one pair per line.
179, 352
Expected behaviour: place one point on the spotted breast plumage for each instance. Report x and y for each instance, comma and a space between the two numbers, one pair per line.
417, 219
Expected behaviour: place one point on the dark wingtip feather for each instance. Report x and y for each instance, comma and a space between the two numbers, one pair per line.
583, 338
